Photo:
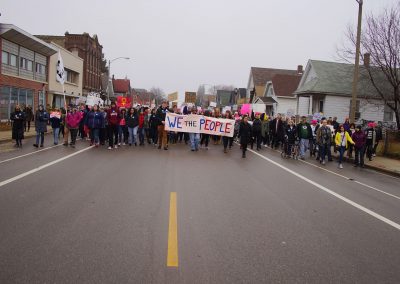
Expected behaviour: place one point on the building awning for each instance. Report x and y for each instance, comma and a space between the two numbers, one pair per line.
23, 38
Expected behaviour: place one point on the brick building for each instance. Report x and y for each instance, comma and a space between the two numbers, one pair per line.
90, 50
24, 69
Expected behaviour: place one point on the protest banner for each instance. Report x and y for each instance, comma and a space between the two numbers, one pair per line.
56, 114
194, 123
123, 102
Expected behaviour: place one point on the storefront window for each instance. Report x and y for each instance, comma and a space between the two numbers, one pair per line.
29, 98
4, 103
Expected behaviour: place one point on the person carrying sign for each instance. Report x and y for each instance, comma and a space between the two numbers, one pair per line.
162, 134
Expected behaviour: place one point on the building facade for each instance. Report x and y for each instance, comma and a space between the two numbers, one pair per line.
73, 66
90, 50
24, 69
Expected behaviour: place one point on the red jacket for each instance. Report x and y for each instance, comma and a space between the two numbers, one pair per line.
113, 116
141, 120
73, 119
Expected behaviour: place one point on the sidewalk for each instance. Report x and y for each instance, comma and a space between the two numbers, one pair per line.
380, 164
5, 136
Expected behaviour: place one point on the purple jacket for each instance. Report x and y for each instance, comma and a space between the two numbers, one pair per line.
73, 119
359, 138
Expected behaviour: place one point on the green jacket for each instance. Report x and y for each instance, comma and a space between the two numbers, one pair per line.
264, 128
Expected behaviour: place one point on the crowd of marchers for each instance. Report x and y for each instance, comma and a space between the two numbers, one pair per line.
114, 127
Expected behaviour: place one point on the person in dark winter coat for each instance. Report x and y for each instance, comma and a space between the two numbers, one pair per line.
28, 117
55, 122
291, 133
153, 123
113, 122
227, 141
18, 119
95, 120
41, 119
359, 139
132, 122
245, 133
370, 134
257, 128
277, 131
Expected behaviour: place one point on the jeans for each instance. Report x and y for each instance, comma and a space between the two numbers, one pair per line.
95, 135
41, 136
304, 145
112, 135
56, 134
341, 149
141, 135
132, 134
228, 141
74, 133
325, 149
359, 156
194, 140
122, 133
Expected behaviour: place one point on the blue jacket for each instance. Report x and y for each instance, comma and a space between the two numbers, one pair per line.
41, 118
95, 119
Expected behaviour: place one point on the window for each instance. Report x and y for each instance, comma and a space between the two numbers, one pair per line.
387, 114
41, 98
4, 102
13, 60
321, 106
4, 58
26, 64
10, 97
40, 69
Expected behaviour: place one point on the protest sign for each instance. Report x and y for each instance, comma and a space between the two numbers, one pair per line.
123, 102
56, 114
246, 109
194, 123
213, 104
258, 108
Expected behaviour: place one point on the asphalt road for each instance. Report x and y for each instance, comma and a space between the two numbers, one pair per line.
90, 215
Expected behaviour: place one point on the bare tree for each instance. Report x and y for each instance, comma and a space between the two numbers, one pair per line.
159, 95
381, 41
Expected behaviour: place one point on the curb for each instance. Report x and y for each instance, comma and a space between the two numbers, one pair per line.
378, 169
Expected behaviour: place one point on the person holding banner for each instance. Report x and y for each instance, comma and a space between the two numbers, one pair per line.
225, 139
244, 135
194, 137
55, 121
162, 134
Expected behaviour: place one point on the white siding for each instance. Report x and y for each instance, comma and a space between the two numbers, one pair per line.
372, 110
285, 104
304, 104
337, 106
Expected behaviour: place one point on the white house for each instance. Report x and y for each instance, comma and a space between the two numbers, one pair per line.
326, 88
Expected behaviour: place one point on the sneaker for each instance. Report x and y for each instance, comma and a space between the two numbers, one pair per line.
190, 150
123, 144
35, 145
373, 155
119, 144
65, 144
206, 148
115, 147
130, 144
41, 145
340, 166
302, 158
323, 162
165, 148
109, 148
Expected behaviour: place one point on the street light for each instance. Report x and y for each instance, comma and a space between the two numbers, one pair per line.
356, 65
109, 74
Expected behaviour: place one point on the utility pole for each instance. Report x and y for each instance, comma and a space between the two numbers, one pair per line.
356, 65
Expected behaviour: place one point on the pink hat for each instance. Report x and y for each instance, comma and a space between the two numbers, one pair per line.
313, 122
371, 124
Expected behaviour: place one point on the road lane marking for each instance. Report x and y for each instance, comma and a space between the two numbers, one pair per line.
348, 178
37, 151
351, 179
172, 258
348, 201
42, 167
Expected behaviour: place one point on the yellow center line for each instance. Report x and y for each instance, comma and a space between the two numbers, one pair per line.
172, 258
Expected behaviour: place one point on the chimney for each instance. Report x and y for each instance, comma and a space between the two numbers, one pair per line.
367, 59
299, 69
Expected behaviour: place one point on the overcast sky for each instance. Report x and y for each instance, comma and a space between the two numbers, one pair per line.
179, 44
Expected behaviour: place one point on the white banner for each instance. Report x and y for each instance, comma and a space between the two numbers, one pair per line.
199, 124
